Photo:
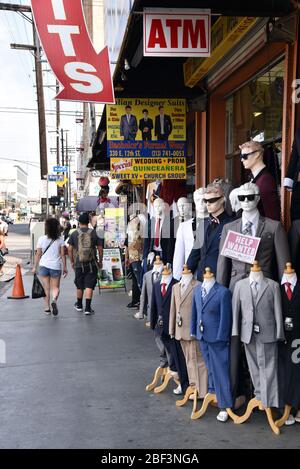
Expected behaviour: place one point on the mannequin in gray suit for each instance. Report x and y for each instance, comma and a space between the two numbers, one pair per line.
257, 320
273, 247
273, 241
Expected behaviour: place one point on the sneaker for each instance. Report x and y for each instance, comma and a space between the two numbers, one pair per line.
78, 308
47, 312
137, 316
54, 308
88, 312
290, 421
222, 416
131, 305
297, 418
177, 390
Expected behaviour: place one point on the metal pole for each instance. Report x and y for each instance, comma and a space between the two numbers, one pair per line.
47, 199
66, 186
41, 104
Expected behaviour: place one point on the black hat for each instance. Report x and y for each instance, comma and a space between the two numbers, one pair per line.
84, 219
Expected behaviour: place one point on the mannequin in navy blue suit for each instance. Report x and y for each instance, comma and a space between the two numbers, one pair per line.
159, 322
207, 254
211, 323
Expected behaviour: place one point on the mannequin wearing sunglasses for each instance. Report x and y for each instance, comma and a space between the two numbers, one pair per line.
187, 232
272, 255
252, 159
206, 255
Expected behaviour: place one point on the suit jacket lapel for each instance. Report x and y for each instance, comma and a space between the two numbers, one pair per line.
211, 294
260, 227
187, 291
169, 291
262, 290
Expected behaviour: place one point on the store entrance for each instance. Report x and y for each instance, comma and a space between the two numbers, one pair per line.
254, 111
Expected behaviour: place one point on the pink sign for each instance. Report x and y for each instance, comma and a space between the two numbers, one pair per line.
240, 247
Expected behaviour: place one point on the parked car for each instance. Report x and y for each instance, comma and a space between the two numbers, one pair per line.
7, 219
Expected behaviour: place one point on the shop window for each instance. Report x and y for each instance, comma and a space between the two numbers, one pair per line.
255, 112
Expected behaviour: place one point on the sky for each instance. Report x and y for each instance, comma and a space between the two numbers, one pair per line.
19, 133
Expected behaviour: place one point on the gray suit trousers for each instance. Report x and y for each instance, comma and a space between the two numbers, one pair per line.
165, 357
262, 361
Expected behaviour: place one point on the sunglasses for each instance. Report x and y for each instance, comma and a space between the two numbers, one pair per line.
244, 156
212, 200
249, 197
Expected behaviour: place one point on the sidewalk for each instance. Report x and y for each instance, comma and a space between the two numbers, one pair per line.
79, 382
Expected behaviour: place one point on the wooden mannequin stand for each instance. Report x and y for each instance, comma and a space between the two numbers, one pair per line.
279, 423
167, 378
189, 392
210, 399
254, 403
160, 373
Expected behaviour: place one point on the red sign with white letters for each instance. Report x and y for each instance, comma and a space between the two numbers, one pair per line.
84, 74
177, 32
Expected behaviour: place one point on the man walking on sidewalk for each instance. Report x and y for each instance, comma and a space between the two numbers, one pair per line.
83, 244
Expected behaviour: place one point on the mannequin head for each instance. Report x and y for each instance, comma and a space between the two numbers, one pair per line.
256, 274
201, 208
248, 195
184, 208
234, 201
252, 155
214, 199
159, 208
289, 274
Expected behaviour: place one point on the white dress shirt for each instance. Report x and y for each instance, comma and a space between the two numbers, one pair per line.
292, 279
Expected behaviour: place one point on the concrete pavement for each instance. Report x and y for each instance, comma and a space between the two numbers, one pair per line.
79, 382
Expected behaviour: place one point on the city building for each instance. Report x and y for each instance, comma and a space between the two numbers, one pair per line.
13, 187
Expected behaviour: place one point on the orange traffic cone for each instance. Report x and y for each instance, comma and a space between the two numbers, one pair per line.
18, 292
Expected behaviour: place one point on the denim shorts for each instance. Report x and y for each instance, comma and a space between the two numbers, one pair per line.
45, 272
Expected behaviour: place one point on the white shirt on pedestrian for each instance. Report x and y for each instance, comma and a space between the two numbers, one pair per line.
52, 258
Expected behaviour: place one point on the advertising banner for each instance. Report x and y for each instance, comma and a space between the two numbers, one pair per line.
146, 138
84, 74
177, 32
240, 247
114, 228
111, 275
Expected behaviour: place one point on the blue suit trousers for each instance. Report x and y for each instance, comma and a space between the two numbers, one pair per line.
217, 359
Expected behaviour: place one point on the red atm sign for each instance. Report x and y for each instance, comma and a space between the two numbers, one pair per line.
177, 33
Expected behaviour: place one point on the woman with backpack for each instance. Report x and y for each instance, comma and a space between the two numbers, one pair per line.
51, 259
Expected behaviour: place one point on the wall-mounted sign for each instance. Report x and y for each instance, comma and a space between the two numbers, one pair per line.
176, 32
84, 74
146, 138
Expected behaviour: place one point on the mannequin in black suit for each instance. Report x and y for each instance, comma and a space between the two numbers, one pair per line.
163, 125
159, 321
288, 368
292, 177
161, 239
146, 126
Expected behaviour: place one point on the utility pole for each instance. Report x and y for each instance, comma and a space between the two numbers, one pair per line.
41, 103
36, 48
57, 124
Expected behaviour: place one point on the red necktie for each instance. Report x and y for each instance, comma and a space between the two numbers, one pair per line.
163, 289
157, 233
288, 290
